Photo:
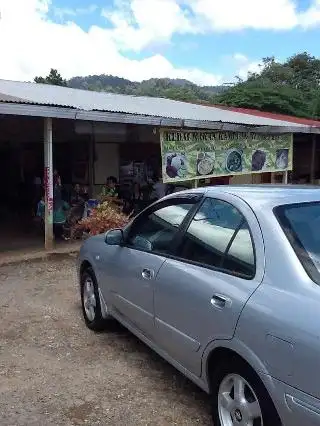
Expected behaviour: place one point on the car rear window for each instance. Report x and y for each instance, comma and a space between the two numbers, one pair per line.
301, 224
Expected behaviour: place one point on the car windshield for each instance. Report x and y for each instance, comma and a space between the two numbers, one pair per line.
301, 224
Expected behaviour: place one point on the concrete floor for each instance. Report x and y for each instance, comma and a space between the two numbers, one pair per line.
20, 234
23, 240
11, 241
33, 254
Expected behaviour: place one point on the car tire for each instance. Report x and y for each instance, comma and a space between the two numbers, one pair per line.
90, 302
238, 395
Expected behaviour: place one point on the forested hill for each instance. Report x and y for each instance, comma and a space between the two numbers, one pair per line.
159, 87
291, 87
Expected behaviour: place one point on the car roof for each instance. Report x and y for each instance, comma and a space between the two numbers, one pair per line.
268, 195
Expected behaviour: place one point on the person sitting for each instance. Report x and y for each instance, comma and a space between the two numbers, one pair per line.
127, 201
76, 212
76, 196
159, 189
110, 189
85, 193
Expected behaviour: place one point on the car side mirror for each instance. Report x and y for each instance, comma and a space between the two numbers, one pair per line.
114, 237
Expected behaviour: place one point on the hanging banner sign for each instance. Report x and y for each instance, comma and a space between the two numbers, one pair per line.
197, 154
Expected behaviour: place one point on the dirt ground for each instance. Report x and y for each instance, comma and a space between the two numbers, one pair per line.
54, 371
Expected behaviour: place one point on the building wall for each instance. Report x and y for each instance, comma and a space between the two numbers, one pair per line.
302, 156
115, 142
241, 179
246, 179
106, 162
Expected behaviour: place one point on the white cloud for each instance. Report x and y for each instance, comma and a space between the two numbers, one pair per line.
244, 65
311, 17
65, 12
249, 67
232, 15
34, 44
139, 23
240, 57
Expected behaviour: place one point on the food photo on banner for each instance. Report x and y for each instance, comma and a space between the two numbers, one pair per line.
189, 155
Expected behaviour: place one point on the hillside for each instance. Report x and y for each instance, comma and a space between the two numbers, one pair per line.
178, 89
291, 87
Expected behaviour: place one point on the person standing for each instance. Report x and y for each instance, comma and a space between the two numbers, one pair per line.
56, 178
37, 192
60, 208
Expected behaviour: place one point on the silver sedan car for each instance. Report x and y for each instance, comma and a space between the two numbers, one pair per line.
224, 283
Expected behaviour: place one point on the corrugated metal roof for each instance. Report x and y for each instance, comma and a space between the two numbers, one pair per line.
8, 98
43, 94
275, 116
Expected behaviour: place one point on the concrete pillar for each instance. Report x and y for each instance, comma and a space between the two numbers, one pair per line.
48, 181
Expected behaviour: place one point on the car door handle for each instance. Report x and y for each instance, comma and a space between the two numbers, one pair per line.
219, 301
147, 274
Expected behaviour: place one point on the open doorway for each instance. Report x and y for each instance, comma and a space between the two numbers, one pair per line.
22, 171
21, 159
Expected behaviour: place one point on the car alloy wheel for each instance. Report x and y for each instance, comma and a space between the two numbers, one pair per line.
237, 403
89, 299
95, 318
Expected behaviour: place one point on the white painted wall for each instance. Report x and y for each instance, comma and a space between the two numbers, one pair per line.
107, 162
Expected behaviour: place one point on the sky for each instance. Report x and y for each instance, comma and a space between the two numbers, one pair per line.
208, 42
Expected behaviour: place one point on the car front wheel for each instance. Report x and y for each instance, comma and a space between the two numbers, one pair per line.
90, 300
240, 398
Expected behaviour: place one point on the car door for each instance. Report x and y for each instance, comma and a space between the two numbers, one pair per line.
131, 269
201, 291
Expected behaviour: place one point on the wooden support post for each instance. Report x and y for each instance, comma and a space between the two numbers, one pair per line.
285, 177
273, 180
48, 180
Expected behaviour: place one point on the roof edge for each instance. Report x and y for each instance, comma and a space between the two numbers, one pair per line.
272, 115
115, 117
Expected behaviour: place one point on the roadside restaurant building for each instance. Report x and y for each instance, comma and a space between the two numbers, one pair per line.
88, 136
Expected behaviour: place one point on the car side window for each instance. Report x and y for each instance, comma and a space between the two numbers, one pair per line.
240, 258
219, 237
156, 231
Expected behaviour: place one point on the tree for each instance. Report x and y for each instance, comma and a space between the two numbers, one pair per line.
53, 78
282, 100
292, 87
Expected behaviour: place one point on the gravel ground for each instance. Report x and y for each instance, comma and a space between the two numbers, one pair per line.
54, 371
